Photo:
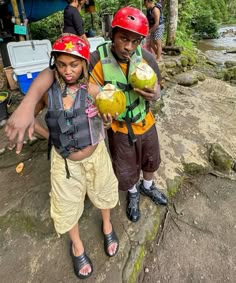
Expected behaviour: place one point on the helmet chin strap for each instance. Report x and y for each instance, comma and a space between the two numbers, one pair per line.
52, 65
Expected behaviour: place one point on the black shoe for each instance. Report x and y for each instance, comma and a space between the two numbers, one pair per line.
132, 210
156, 195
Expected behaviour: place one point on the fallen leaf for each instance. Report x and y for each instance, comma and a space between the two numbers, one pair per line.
19, 167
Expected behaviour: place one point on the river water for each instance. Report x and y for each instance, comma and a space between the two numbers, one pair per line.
215, 49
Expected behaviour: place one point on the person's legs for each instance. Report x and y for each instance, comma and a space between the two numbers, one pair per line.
158, 49
78, 249
154, 47
102, 190
150, 162
148, 175
148, 44
156, 41
127, 173
108, 230
67, 204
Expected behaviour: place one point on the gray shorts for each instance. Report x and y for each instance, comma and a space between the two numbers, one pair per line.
158, 33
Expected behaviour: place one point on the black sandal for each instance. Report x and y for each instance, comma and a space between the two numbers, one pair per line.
79, 262
110, 239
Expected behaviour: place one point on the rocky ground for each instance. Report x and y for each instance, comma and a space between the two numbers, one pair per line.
197, 242
191, 241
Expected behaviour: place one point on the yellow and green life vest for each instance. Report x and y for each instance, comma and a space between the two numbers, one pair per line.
136, 106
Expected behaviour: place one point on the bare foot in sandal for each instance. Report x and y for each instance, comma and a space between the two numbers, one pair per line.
82, 264
111, 242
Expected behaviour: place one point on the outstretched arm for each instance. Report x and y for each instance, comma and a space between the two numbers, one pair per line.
22, 119
39, 128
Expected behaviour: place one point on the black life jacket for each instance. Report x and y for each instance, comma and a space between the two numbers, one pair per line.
73, 129
150, 18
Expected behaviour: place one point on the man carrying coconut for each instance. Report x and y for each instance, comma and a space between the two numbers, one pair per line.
133, 139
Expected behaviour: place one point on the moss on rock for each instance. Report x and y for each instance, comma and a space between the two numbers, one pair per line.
219, 158
173, 186
137, 265
230, 74
194, 169
184, 61
190, 55
155, 227
21, 223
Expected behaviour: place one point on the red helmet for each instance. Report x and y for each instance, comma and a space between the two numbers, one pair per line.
131, 19
72, 44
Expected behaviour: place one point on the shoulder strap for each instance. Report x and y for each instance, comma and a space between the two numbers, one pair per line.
157, 5
103, 43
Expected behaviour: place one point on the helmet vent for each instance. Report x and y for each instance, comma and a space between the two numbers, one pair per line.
80, 45
131, 18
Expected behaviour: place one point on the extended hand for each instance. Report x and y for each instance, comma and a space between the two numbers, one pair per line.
17, 125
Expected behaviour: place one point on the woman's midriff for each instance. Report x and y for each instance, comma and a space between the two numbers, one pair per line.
81, 154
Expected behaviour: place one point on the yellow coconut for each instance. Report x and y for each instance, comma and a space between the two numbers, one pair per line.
143, 76
111, 100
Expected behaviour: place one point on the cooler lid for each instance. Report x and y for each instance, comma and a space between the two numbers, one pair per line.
29, 53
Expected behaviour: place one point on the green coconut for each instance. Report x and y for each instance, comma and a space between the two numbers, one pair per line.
111, 100
143, 76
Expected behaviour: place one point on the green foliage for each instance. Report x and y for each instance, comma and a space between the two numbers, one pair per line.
197, 19
48, 28
182, 39
200, 18
205, 26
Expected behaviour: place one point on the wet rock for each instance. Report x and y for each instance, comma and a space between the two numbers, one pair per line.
170, 64
200, 76
214, 64
232, 50
220, 75
229, 64
230, 74
234, 166
161, 66
186, 79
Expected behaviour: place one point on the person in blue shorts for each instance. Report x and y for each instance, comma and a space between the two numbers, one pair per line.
156, 27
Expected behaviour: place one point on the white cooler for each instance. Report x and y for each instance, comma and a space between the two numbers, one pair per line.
27, 59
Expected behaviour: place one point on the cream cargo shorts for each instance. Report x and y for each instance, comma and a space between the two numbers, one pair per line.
93, 176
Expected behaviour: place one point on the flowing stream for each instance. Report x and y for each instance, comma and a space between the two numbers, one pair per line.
216, 48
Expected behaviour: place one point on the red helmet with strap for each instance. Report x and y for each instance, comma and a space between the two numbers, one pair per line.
131, 19
72, 44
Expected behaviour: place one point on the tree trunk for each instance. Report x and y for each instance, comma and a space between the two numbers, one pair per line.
172, 22
17, 16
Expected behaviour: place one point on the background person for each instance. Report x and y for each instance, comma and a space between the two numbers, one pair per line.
73, 22
133, 136
156, 27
